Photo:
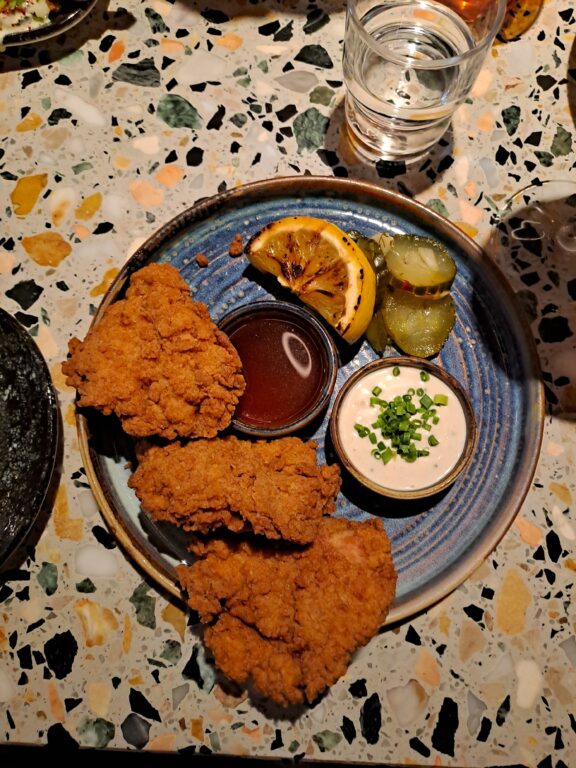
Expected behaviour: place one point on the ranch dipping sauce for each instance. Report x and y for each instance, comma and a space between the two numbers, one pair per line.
443, 441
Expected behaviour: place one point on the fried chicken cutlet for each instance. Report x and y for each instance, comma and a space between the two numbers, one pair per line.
158, 361
288, 622
272, 488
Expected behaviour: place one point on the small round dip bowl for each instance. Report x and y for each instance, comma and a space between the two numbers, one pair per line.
403, 427
289, 362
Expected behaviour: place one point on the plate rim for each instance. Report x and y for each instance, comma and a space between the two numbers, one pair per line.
299, 186
7, 550
52, 28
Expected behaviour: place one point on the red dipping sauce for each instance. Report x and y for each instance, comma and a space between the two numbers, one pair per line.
288, 362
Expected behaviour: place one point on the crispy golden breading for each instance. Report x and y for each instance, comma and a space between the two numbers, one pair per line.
272, 488
288, 621
157, 361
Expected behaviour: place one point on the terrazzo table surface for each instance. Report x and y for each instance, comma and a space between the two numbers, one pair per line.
107, 133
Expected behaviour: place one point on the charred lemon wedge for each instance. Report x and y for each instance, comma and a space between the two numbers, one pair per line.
323, 266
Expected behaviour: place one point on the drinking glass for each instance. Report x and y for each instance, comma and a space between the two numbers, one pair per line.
408, 64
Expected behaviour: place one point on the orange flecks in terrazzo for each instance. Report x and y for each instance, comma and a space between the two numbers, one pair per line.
230, 41
562, 492
55, 702
127, 634
512, 603
47, 249
58, 378
470, 188
570, 564
89, 206
485, 122
70, 415
146, 194
81, 231
170, 175
444, 622
26, 192
529, 532
99, 695
3, 640
254, 733
427, 668
30, 122
116, 50
60, 203
98, 623
121, 162
467, 228
136, 680
164, 742
171, 47
471, 641
66, 527
7, 261
197, 728
118, 131
177, 618
103, 286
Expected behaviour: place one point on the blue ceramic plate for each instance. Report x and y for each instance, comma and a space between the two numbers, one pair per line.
437, 542
28, 433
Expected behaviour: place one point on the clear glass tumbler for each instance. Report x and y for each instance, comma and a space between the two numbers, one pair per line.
408, 64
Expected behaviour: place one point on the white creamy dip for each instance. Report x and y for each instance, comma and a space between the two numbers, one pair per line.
398, 474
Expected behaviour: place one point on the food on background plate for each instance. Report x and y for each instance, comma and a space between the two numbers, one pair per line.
273, 488
18, 15
287, 621
323, 266
413, 309
289, 362
402, 429
157, 361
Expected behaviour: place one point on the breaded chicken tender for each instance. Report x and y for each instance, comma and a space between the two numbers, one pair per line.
157, 361
287, 621
274, 488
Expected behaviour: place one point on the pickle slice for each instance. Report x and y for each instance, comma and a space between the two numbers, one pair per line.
420, 265
417, 325
377, 333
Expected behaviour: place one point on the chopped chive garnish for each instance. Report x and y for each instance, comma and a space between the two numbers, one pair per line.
419, 391
432, 440
376, 391
387, 455
372, 437
426, 402
440, 400
395, 371
424, 376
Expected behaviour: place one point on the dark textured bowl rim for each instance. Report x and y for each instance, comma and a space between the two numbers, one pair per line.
321, 333
444, 376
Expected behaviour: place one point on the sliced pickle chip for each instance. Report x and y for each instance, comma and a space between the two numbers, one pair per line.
377, 333
418, 326
420, 265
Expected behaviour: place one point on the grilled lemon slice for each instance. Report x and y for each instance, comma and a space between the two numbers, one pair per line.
323, 266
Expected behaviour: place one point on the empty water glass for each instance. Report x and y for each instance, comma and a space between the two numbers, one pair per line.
408, 64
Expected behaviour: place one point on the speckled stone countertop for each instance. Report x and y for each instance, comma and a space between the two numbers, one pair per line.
107, 133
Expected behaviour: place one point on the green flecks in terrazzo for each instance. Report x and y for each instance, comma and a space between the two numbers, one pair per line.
327, 740
214, 742
144, 73
96, 733
322, 95
157, 24
73, 59
58, 114
437, 205
172, 651
145, 606
511, 119
316, 55
546, 158
81, 167
239, 120
309, 129
562, 142
263, 65
177, 112
86, 586
48, 578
